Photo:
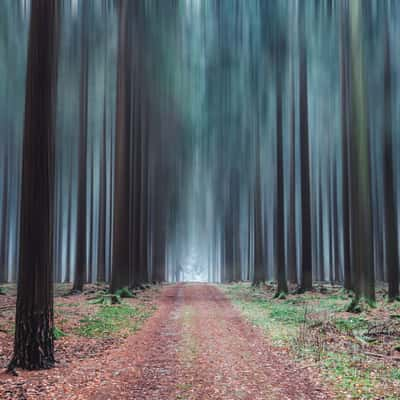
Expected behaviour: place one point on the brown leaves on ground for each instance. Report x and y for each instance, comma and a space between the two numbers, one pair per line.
195, 346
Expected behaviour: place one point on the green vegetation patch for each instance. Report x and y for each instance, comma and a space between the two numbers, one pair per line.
113, 319
316, 328
58, 333
349, 325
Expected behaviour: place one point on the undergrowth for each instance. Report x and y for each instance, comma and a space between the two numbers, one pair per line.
113, 319
315, 327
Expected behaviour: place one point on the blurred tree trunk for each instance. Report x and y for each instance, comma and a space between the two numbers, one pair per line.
69, 223
306, 255
292, 248
391, 240
259, 275
282, 288
344, 93
335, 225
101, 255
320, 242
121, 240
4, 217
360, 166
81, 229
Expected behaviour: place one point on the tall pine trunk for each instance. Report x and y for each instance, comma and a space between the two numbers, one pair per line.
282, 288
362, 242
4, 218
259, 275
292, 255
306, 255
33, 346
391, 240
121, 232
344, 93
81, 234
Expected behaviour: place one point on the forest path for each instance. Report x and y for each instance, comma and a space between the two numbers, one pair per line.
197, 346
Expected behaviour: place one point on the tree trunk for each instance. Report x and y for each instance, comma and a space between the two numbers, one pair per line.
101, 256
33, 346
4, 218
391, 240
282, 288
292, 248
121, 240
360, 167
344, 89
259, 275
81, 239
306, 256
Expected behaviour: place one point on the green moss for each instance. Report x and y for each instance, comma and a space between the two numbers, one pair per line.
111, 320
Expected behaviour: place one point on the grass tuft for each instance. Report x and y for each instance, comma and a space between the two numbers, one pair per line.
58, 333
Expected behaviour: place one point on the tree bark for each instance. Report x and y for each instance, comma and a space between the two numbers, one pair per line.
391, 240
282, 288
81, 234
33, 345
360, 166
306, 255
121, 232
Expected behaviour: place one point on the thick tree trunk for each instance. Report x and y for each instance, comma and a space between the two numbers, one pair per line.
33, 346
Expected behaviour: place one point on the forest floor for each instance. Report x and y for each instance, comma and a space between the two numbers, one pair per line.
201, 341
195, 345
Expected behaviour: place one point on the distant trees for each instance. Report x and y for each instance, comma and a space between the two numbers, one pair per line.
33, 346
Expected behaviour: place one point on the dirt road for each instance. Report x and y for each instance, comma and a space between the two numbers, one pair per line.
196, 346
